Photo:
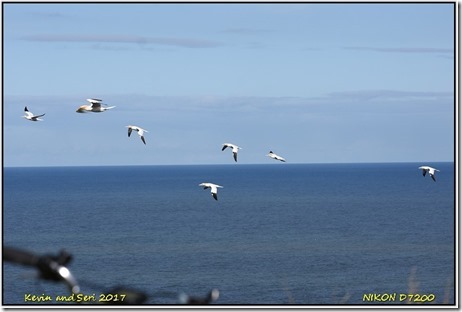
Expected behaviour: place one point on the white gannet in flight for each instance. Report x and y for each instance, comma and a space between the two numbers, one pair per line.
140, 131
213, 188
29, 116
274, 156
95, 107
234, 147
430, 170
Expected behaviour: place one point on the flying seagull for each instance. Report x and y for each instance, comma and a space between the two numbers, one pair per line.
274, 156
234, 147
430, 170
94, 106
140, 131
29, 116
213, 188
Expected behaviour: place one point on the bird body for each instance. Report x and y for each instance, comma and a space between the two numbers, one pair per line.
95, 106
274, 156
430, 170
234, 147
213, 188
139, 130
29, 116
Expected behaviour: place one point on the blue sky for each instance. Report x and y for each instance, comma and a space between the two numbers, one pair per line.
315, 83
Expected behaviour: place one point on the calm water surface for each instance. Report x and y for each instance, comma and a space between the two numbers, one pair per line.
278, 234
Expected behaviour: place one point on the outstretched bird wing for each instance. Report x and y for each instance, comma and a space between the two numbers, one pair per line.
214, 190
37, 117
95, 103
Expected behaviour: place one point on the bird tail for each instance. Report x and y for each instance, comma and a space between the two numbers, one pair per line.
109, 107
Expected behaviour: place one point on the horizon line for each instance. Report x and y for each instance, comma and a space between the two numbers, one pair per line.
231, 164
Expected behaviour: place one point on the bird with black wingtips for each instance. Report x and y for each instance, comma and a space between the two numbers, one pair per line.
213, 188
139, 130
275, 156
431, 171
95, 106
234, 148
29, 116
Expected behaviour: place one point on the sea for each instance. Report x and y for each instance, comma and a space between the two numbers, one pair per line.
280, 234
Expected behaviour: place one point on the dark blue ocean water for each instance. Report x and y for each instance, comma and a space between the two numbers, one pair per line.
278, 234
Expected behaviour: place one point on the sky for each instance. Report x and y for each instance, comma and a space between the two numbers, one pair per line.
313, 82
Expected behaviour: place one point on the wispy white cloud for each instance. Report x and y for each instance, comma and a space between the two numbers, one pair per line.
124, 39
349, 119
211, 103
